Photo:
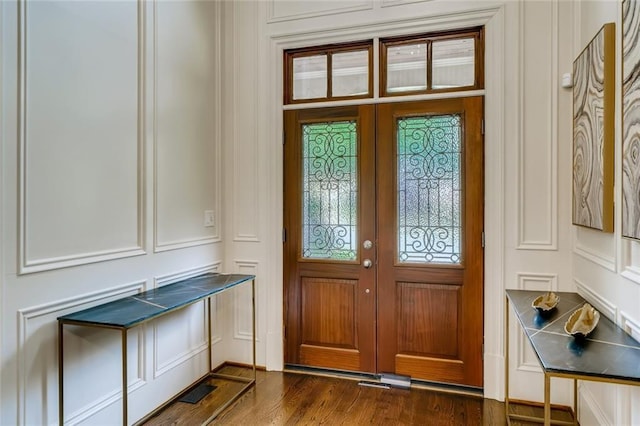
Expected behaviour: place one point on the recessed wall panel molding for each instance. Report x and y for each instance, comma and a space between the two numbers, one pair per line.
537, 281
80, 140
595, 257
538, 141
242, 328
174, 345
246, 185
162, 280
290, 10
596, 247
527, 360
533, 281
624, 405
631, 260
178, 338
217, 319
632, 273
630, 325
590, 409
601, 304
390, 3
186, 123
37, 369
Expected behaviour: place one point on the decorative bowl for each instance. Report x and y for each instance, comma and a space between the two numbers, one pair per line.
545, 303
582, 322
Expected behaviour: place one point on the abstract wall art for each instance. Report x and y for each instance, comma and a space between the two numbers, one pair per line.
593, 132
630, 119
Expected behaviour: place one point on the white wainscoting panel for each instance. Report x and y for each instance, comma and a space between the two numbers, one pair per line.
292, 10
595, 246
537, 281
92, 360
592, 398
182, 335
631, 260
601, 304
629, 325
527, 360
391, 3
186, 120
80, 139
245, 213
242, 328
537, 159
178, 337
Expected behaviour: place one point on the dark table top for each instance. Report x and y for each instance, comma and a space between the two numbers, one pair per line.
129, 311
608, 352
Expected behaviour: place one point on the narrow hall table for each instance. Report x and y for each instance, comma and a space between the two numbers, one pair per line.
128, 312
607, 355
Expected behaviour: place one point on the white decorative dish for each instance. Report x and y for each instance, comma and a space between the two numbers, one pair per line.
545, 303
582, 321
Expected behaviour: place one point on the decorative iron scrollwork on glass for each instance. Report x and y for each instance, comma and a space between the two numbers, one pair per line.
330, 190
429, 179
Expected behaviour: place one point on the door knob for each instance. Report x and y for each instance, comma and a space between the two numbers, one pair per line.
367, 244
367, 263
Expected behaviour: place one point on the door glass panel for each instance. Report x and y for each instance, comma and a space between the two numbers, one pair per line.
429, 189
330, 190
406, 67
310, 77
453, 63
350, 73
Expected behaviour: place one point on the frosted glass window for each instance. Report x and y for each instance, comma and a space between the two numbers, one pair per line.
330, 190
407, 67
453, 63
310, 77
350, 73
429, 179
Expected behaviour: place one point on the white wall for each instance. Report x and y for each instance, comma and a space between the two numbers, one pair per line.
111, 153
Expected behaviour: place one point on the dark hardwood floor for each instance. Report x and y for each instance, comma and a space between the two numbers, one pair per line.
301, 399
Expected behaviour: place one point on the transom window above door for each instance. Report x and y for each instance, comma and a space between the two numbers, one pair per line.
408, 65
329, 73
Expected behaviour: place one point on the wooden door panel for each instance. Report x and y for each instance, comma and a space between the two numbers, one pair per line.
327, 357
430, 369
329, 312
427, 313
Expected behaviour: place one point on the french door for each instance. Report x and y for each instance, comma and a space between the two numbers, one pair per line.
383, 257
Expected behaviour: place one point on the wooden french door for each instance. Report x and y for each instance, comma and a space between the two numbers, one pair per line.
430, 255
329, 213
383, 250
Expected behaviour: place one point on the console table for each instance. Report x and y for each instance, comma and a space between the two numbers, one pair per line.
607, 355
128, 312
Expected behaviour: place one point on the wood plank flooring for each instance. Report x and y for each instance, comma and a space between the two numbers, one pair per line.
301, 399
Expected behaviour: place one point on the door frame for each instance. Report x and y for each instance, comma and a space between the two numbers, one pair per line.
496, 127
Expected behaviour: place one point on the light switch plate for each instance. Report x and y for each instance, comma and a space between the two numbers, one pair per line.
209, 219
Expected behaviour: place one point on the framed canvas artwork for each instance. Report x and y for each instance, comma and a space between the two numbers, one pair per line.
593, 132
630, 119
